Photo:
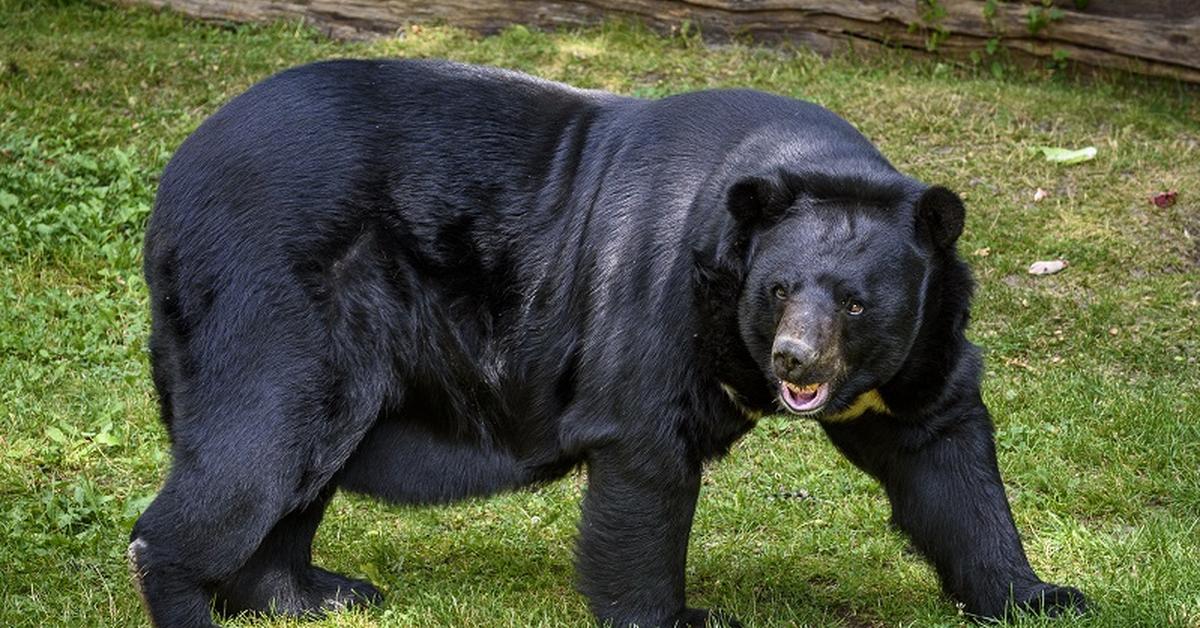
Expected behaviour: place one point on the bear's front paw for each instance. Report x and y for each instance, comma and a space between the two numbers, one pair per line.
704, 618
1052, 600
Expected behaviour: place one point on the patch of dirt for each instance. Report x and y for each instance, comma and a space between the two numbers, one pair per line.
1191, 227
1174, 230
850, 619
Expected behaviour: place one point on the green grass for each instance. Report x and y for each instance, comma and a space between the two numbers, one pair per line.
1092, 373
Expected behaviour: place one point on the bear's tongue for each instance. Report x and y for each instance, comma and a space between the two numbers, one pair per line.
803, 399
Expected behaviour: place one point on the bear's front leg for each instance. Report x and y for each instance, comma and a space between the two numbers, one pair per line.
941, 477
637, 516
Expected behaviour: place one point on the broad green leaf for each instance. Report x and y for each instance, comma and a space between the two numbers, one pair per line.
56, 435
1066, 156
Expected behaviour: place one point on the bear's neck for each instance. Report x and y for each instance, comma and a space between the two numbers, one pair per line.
942, 366
727, 361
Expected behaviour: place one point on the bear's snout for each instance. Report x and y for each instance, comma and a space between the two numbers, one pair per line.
801, 361
805, 349
793, 357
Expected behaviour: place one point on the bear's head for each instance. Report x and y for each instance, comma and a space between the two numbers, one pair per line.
835, 277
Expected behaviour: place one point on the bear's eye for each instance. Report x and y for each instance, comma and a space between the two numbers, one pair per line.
854, 308
779, 292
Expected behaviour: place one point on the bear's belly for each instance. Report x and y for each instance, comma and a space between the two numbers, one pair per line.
427, 453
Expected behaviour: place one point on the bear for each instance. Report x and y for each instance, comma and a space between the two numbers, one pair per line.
425, 281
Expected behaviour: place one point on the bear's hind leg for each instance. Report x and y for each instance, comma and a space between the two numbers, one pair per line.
252, 454
233, 520
200, 529
280, 577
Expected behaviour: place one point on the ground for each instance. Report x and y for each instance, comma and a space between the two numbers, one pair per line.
1092, 372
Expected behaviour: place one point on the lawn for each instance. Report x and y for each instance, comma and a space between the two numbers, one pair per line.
1092, 373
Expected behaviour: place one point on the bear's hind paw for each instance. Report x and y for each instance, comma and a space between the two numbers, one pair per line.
328, 591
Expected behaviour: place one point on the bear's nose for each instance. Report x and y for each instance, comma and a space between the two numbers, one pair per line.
791, 358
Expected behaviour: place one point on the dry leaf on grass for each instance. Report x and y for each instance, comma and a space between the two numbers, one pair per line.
1164, 199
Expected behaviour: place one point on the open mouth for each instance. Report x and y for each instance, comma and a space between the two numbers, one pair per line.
803, 399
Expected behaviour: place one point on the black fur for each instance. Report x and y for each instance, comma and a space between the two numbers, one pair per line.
426, 281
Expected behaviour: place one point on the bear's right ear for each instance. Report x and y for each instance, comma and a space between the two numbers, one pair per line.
941, 215
758, 198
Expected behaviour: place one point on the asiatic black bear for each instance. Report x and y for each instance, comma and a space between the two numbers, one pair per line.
426, 281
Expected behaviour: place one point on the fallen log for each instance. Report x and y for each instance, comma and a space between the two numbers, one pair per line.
1154, 37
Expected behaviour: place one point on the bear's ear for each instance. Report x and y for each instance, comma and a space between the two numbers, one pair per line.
758, 198
941, 215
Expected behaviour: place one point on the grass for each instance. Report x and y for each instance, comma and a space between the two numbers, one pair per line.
1092, 373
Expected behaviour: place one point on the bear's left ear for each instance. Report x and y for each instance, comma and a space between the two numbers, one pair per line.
758, 198
940, 213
